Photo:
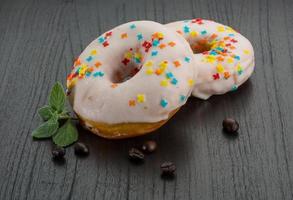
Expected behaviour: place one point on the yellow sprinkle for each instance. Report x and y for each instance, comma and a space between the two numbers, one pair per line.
140, 98
160, 35
238, 67
149, 71
71, 84
229, 29
210, 59
193, 33
221, 28
190, 82
230, 60
246, 51
220, 68
163, 65
93, 52
137, 55
149, 63
164, 83
128, 55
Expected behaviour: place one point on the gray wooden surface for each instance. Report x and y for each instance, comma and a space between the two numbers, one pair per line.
39, 40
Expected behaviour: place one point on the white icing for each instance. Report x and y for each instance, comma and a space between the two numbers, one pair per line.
94, 99
205, 85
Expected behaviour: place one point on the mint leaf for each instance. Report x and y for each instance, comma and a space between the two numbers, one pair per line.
46, 112
47, 129
66, 135
57, 97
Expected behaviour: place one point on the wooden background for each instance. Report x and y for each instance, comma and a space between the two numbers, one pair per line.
39, 40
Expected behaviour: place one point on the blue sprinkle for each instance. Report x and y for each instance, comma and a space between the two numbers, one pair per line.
174, 81
186, 29
219, 48
132, 26
182, 98
87, 74
234, 88
89, 58
187, 59
155, 43
154, 53
213, 52
237, 57
231, 35
101, 74
101, 39
139, 37
137, 60
203, 32
169, 75
164, 103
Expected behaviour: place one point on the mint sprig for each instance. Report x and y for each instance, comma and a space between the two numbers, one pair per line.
53, 115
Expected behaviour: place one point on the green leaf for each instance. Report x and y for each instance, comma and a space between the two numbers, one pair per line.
57, 97
47, 129
66, 135
46, 112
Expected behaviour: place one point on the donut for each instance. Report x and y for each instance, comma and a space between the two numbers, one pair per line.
225, 58
131, 79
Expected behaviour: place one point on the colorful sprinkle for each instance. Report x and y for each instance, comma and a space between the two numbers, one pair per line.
164, 103
169, 75
154, 53
164, 83
131, 102
140, 98
187, 59
182, 98
124, 35
90, 58
132, 26
139, 37
174, 81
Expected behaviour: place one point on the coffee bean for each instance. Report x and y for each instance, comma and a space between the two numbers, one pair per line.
230, 125
149, 146
80, 149
168, 169
135, 155
58, 153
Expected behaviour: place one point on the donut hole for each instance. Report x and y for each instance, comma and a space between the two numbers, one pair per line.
200, 46
131, 63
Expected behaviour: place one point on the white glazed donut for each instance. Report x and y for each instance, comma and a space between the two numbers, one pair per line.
131, 79
224, 57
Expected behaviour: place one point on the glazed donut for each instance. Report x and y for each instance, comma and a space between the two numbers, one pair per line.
131, 79
224, 57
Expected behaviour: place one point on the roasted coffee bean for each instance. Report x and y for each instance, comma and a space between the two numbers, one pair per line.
135, 155
80, 149
168, 169
230, 125
149, 146
58, 153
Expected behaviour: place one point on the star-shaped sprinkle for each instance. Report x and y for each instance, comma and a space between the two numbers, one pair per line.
131, 102
216, 76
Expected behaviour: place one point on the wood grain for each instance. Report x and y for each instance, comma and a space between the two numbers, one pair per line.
39, 40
